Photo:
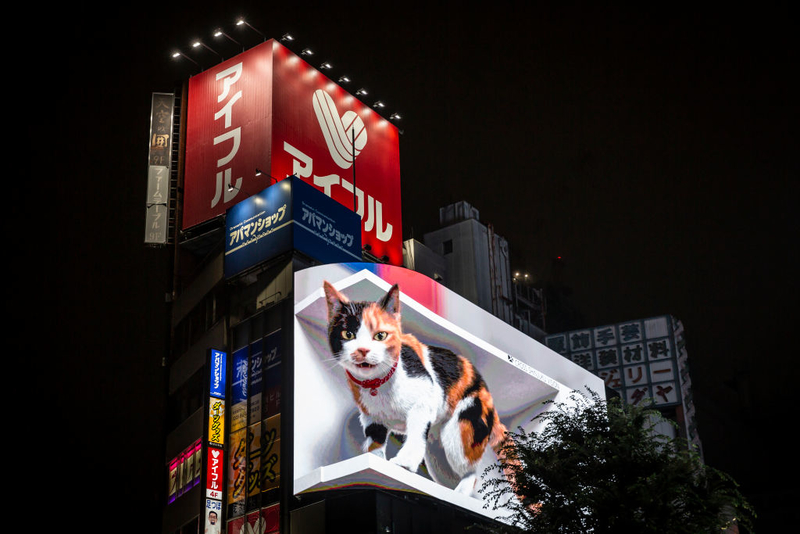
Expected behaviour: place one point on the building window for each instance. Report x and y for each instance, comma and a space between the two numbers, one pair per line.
447, 246
186, 400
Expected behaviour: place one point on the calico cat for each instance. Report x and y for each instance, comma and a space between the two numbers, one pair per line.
402, 386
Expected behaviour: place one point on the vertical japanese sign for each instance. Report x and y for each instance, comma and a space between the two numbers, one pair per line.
271, 453
256, 380
214, 473
229, 113
239, 387
158, 169
237, 472
254, 428
237, 452
218, 372
272, 373
254, 462
215, 455
216, 422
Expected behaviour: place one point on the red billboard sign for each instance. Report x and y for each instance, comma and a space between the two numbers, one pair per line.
214, 486
268, 109
227, 134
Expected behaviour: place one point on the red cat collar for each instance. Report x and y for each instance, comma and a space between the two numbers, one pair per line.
373, 383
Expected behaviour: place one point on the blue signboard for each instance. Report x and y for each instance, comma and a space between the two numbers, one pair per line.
290, 215
323, 228
239, 378
217, 383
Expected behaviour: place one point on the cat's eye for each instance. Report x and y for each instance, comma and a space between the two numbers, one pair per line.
347, 334
380, 336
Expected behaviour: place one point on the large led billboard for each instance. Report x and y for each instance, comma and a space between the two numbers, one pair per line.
268, 110
338, 413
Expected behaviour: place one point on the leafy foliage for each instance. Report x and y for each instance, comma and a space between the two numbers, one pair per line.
599, 466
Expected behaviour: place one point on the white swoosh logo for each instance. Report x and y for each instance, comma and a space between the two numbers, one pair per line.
346, 136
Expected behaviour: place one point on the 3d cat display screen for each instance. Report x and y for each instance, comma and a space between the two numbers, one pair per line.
400, 383
404, 387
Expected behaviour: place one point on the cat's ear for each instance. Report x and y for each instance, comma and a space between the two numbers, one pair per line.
334, 298
391, 301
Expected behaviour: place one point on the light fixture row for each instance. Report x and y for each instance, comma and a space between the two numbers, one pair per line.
287, 37
344, 79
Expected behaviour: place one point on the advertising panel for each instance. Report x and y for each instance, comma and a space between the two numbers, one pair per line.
256, 381
216, 422
158, 169
229, 114
270, 453
172, 480
218, 374
324, 229
289, 215
184, 471
324, 134
214, 473
254, 449
238, 392
237, 472
267, 109
213, 523
343, 413
272, 374
637, 358
254, 462
264, 521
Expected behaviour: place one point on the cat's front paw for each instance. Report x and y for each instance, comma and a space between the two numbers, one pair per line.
406, 463
467, 484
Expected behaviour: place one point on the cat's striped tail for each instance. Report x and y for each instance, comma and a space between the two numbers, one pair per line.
500, 443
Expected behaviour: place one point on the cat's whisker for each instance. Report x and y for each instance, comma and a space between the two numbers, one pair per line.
330, 363
384, 365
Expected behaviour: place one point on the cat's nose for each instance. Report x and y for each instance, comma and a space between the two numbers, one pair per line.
360, 354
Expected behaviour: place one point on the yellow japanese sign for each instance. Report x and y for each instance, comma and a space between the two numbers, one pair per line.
216, 422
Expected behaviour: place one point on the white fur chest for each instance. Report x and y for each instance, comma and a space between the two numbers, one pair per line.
395, 399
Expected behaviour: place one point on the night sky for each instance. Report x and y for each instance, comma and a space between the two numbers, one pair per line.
654, 150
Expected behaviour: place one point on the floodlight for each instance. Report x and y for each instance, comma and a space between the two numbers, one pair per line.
241, 22
219, 32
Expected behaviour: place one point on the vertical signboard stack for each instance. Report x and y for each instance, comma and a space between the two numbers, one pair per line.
215, 441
